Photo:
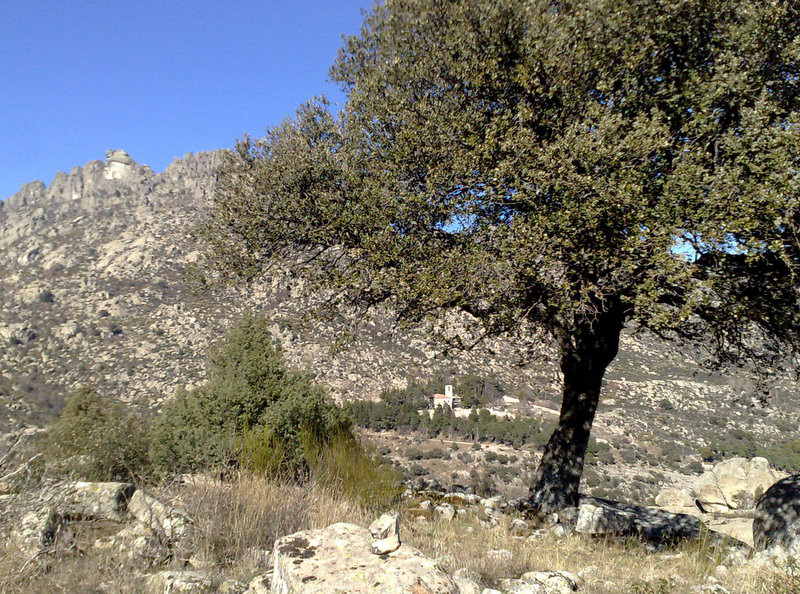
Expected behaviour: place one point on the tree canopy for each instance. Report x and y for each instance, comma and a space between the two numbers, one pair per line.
577, 166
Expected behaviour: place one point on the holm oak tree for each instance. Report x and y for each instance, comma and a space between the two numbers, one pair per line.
577, 166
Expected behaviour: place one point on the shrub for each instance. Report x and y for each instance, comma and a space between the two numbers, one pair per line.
414, 454
417, 470
249, 385
98, 438
342, 465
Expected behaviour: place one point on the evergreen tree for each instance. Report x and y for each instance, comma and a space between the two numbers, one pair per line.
575, 166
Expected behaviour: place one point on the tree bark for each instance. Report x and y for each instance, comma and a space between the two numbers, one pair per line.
585, 356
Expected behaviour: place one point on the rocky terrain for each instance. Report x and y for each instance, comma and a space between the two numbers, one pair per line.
93, 290
97, 290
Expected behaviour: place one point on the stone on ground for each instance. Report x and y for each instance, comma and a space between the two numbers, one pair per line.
654, 525
445, 511
386, 534
40, 530
167, 522
338, 559
554, 582
96, 501
466, 581
172, 582
601, 519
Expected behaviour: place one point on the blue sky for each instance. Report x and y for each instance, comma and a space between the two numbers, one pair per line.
158, 79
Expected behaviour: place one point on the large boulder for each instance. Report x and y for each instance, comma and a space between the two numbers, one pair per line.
777, 517
96, 501
41, 530
735, 483
602, 516
595, 518
169, 523
673, 498
338, 559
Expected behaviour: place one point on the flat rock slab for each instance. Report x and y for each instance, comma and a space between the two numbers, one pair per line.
652, 524
96, 501
337, 559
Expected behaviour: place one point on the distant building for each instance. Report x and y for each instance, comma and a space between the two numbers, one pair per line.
448, 398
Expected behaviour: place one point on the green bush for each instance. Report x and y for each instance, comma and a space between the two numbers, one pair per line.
97, 438
249, 385
343, 465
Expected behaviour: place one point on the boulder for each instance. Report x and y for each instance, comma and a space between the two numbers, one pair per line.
445, 511
338, 559
462, 498
735, 483
674, 498
41, 530
495, 502
739, 528
259, 585
170, 524
601, 519
554, 582
777, 517
516, 586
518, 527
652, 524
172, 582
96, 501
136, 541
386, 534
466, 581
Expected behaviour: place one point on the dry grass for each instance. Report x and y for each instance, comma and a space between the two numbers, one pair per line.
233, 520
254, 512
237, 518
608, 565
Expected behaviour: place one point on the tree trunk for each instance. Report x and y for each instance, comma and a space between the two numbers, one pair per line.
585, 355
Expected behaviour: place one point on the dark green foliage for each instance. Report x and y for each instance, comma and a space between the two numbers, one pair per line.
483, 426
577, 166
248, 385
98, 439
743, 443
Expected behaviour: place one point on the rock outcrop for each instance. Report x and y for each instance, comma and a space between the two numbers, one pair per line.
777, 517
338, 559
724, 496
735, 483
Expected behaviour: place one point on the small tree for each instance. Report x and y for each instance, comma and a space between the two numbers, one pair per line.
575, 166
249, 386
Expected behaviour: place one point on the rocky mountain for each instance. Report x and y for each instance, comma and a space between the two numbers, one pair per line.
93, 291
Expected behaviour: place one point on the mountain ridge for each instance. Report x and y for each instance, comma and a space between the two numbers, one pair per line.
94, 292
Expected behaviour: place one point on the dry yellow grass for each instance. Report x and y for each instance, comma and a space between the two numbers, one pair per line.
608, 565
233, 519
